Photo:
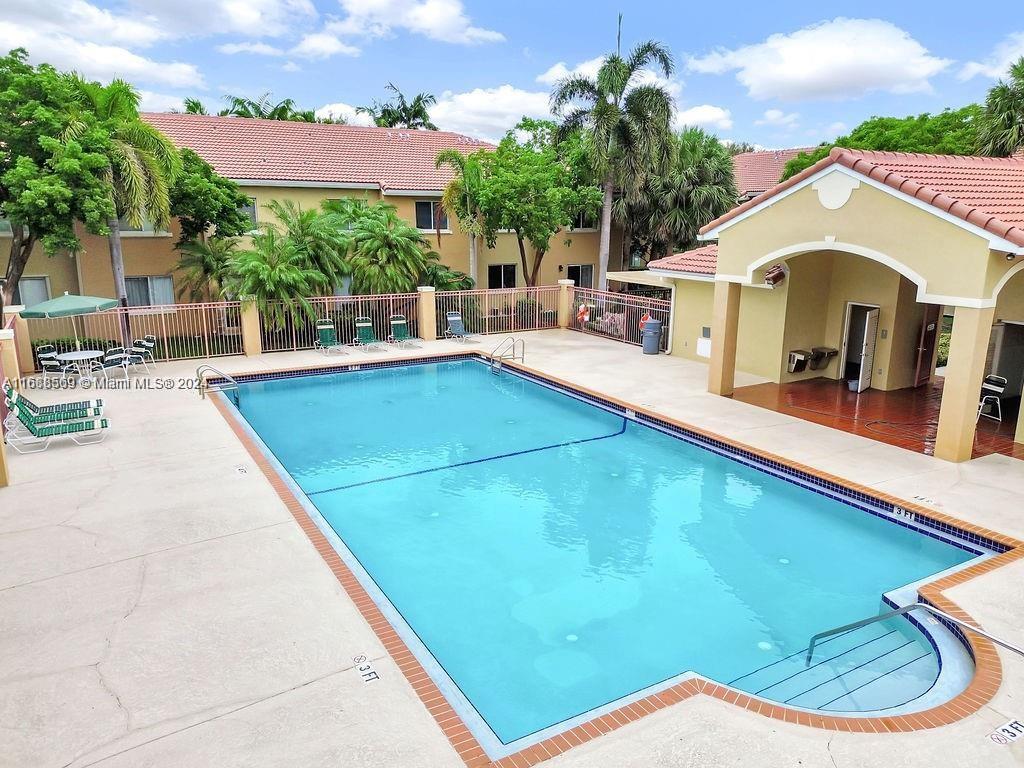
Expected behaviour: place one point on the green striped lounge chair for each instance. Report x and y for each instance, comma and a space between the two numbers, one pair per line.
16, 412
327, 338
366, 337
36, 437
400, 335
78, 405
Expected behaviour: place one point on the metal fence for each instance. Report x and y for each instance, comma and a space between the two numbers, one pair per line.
617, 315
500, 311
182, 331
288, 326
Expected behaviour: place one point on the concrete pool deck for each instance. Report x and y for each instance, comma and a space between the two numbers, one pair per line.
160, 606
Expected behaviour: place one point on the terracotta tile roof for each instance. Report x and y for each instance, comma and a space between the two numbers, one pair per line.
985, 191
758, 171
699, 261
277, 150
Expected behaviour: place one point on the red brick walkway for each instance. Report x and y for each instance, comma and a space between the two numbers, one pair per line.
907, 418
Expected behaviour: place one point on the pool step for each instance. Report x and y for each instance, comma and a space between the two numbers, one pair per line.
875, 667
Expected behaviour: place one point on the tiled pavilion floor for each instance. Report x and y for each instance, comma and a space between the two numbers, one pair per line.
906, 418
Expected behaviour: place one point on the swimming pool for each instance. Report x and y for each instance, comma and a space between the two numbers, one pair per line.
551, 557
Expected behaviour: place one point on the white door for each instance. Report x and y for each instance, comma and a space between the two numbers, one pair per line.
867, 355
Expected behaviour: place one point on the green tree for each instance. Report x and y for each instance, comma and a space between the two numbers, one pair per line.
206, 267
47, 180
740, 147
628, 124
1001, 127
273, 274
527, 189
203, 200
143, 165
698, 187
950, 132
194, 107
262, 108
387, 254
398, 112
442, 277
319, 237
461, 198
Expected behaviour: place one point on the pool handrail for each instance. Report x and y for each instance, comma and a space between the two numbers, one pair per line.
205, 386
900, 612
512, 348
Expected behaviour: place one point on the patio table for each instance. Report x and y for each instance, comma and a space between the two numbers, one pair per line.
82, 360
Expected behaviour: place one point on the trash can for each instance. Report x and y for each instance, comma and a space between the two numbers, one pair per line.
651, 337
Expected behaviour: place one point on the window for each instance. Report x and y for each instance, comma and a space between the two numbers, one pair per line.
32, 291
582, 274
705, 332
250, 211
501, 276
585, 221
124, 226
430, 215
150, 291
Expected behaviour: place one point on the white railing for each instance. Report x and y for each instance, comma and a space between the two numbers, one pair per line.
506, 310
617, 315
297, 329
182, 331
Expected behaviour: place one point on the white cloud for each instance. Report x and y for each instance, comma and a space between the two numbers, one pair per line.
260, 49
97, 61
998, 62
291, 66
488, 113
443, 20
321, 45
842, 58
159, 102
837, 128
347, 111
703, 116
83, 20
778, 119
253, 18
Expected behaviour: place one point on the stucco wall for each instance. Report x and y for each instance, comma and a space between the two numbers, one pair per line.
148, 254
953, 262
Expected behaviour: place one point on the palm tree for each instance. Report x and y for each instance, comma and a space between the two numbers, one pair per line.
387, 254
441, 277
400, 113
1001, 129
461, 197
264, 109
143, 165
628, 124
318, 236
697, 187
206, 267
194, 107
273, 273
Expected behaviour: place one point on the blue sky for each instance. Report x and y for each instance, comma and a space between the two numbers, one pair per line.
779, 74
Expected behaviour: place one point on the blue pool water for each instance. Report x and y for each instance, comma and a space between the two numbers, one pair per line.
553, 557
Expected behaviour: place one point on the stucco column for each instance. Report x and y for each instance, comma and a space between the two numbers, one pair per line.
22, 342
725, 320
426, 313
9, 368
565, 302
252, 342
958, 414
9, 357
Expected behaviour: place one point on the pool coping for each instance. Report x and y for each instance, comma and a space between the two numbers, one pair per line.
981, 689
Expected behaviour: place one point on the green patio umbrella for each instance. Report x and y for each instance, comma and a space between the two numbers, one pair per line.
69, 305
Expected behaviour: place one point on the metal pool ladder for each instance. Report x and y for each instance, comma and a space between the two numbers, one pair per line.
511, 348
227, 385
900, 612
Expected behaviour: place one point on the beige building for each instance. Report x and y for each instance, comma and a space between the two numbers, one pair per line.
851, 266
307, 163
